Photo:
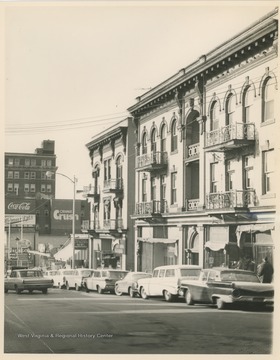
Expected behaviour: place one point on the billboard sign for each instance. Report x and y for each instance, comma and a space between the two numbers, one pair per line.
62, 211
20, 220
20, 206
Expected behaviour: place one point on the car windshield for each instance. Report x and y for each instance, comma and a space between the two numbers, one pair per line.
29, 273
239, 276
193, 273
116, 274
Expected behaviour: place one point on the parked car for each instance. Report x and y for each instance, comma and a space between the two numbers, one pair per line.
104, 280
27, 279
59, 276
76, 278
128, 285
166, 281
223, 286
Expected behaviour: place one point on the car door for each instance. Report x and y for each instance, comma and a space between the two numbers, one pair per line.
212, 284
199, 288
124, 283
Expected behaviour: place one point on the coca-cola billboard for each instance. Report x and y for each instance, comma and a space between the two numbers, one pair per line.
20, 206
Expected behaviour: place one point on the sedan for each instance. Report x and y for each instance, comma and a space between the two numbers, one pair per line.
28, 279
222, 286
103, 280
129, 284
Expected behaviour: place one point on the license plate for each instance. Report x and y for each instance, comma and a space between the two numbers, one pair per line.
258, 299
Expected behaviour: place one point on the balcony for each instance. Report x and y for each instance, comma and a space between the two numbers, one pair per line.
192, 152
95, 194
95, 225
230, 199
156, 160
113, 185
192, 204
155, 207
113, 224
230, 137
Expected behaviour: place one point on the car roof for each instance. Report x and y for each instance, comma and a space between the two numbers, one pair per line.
228, 270
178, 267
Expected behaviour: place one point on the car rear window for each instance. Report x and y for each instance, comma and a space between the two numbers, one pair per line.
193, 273
116, 274
170, 273
86, 273
239, 276
30, 273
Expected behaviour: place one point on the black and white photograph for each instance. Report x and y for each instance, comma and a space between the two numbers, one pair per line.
140, 146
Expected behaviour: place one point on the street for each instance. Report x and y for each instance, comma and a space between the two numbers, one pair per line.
69, 322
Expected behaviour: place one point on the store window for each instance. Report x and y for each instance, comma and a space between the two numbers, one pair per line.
268, 96
174, 136
268, 171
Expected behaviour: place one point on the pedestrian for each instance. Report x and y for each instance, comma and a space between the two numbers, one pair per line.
265, 271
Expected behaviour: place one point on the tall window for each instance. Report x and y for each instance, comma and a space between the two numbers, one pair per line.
229, 175
163, 187
32, 187
49, 188
230, 108
144, 190
174, 137
33, 162
213, 178
268, 96
27, 162
26, 187
248, 172
153, 188
33, 175
43, 163
17, 162
10, 187
119, 171
163, 138
16, 188
153, 141
248, 98
268, 171
214, 118
107, 169
10, 174
144, 144
43, 188
174, 188
10, 161
26, 175
16, 175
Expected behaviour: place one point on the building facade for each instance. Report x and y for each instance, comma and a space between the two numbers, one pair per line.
205, 156
111, 196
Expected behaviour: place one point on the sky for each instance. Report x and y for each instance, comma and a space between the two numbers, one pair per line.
73, 69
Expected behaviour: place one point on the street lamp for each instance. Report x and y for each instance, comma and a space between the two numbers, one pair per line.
73, 181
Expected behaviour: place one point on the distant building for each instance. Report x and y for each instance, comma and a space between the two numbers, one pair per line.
25, 173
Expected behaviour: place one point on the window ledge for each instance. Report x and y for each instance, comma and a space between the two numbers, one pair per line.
268, 122
268, 196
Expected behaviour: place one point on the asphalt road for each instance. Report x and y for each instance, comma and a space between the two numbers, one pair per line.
71, 322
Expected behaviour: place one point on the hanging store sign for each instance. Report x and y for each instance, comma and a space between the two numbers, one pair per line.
20, 220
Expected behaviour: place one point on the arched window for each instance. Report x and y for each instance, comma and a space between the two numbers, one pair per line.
248, 98
268, 96
230, 108
214, 116
174, 141
144, 144
153, 141
163, 138
119, 172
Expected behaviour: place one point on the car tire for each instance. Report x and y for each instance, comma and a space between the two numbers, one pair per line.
86, 288
189, 298
131, 292
45, 291
77, 287
18, 291
168, 296
99, 290
143, 294
220, 304
117, 291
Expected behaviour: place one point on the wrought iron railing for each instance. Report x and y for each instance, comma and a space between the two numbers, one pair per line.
192, 204
237, 131
153, 158
95, 225
113, 184
193, 150
151, 207
230, 199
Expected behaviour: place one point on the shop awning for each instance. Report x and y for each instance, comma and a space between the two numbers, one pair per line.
216, 245
38, 253
159, 240
252, 228
65, 253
